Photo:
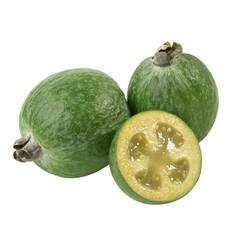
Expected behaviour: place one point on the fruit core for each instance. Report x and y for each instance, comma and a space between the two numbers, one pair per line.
161, 163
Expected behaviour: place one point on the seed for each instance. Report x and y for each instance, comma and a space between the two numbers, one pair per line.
169, 130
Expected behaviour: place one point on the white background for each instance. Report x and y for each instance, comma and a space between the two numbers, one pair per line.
39, 38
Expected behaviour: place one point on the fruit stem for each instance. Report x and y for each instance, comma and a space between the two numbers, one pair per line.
27, 149
166, 53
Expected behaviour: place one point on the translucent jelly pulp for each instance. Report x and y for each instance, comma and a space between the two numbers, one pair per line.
160, 161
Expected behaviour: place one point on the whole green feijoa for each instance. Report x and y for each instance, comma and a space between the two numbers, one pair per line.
178, 83
68, 121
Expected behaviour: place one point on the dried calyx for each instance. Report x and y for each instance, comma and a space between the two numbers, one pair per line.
26, 150
166, 53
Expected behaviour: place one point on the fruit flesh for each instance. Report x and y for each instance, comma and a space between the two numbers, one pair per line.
159, 161
158, 158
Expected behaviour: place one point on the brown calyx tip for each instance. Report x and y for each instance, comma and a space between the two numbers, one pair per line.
21, 156
166, 53
20, 143
26, 149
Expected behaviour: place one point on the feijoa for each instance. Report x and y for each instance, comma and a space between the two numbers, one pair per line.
68, 120
155, 157
178, 83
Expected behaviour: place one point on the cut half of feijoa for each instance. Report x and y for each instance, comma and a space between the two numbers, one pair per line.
155, 157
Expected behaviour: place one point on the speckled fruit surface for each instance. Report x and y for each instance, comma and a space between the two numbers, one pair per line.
69, 120
184, 87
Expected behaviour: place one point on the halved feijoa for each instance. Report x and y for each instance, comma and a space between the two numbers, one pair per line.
155, 157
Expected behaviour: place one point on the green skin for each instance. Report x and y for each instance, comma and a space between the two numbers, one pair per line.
73, 116
186, 88
119, 178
